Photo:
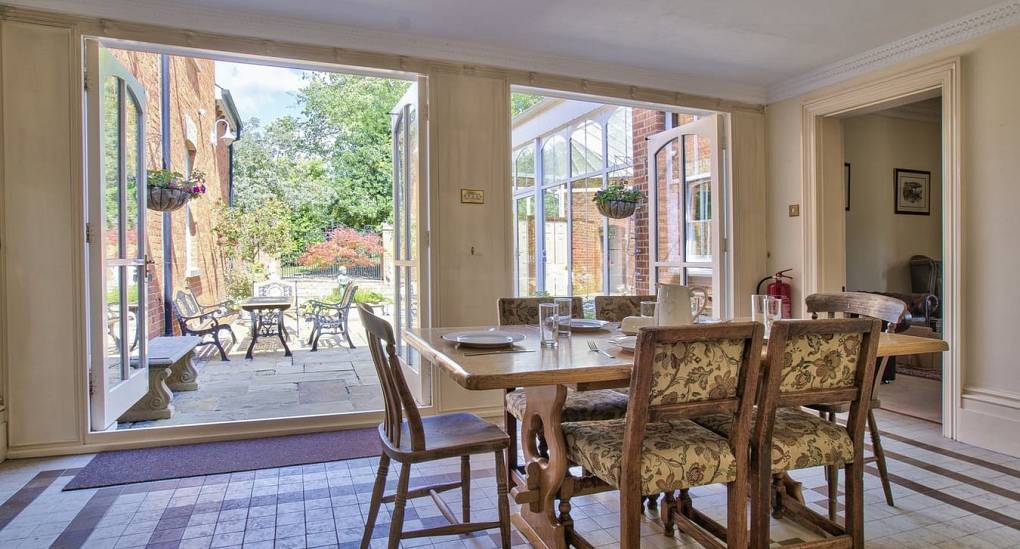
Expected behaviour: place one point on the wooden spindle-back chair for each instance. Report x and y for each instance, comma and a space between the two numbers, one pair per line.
408, 438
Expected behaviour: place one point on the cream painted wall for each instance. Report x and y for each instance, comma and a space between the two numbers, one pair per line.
990, 138
879, 242
469, 147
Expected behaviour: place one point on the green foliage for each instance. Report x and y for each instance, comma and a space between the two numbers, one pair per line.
194, 185
330, 165
245, 234
361, 295
618, 193
520, 102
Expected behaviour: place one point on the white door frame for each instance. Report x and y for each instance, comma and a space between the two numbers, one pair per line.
943, 76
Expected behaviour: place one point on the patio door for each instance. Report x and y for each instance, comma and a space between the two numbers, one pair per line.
685, 208
115, 231
410, 236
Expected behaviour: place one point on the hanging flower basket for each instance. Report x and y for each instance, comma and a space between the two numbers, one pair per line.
617, 201
169, 190
617, 209
164, 199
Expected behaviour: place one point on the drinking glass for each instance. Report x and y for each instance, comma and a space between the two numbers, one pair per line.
565, 306
548, 323
648, 308
766, 309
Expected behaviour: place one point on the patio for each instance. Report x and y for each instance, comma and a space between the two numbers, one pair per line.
334, 379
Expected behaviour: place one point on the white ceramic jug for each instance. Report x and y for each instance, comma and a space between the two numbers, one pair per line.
674, 304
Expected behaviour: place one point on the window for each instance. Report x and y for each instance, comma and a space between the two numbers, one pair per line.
190, 265
562, 244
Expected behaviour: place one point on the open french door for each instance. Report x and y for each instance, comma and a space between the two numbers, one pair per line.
685, 208
410, 234
116, 191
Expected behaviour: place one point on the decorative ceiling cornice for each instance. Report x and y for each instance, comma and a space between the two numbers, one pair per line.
965, 28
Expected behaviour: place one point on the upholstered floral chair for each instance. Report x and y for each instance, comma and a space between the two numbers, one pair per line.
615, 308
809, 362
679, 372
580, 405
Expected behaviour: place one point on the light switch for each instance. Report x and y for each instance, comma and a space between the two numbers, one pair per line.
794, 210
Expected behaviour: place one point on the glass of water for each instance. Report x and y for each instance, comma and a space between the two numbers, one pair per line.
766, 309
548, 323
648, 309
565, 306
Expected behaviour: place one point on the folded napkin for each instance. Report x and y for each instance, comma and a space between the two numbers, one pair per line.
632, 324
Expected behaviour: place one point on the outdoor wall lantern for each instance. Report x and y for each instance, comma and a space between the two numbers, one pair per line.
228, 135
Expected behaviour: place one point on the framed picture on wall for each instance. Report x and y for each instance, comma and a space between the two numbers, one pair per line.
912, 190
846, 186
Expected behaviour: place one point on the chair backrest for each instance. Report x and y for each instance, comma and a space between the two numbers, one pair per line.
826, 361
858, 304
348, 296
689, 371
924, 275
398, 403
274, 288
614, 308
524, 310
889, 310
185, 304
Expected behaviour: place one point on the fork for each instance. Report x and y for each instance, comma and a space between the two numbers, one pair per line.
594, 347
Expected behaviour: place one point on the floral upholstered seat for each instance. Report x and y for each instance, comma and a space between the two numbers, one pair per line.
799, 439
580, 405
614, 308
674, 455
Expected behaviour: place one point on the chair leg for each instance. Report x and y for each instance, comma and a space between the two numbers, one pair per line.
399, 502
736, 512
761, 498
465, 486
233, 336
832, 481
876, 444
216, 340
630, 519
315, 343
347, 333
377, 495
311, 335
503, 503
510, 426
666, 514
854, 513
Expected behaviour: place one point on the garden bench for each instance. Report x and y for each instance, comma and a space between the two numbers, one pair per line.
171, 368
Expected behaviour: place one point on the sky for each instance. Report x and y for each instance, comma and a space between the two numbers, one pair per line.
266, 93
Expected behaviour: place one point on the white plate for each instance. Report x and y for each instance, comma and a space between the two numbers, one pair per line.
627, 343
486, 339
586, 325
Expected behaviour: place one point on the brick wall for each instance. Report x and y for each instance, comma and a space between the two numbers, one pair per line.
192, 97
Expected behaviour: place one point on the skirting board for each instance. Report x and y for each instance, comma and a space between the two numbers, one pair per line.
987, 414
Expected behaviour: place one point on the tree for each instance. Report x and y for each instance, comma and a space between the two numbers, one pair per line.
344, 246
520, 102
246, 234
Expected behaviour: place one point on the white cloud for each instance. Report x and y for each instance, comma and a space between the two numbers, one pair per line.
260, 91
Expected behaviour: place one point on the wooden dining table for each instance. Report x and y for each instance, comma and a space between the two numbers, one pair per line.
545, 375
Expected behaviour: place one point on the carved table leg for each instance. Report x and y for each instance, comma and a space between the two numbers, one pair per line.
537, 520
282, 334
183, 375
156, 402
255, 316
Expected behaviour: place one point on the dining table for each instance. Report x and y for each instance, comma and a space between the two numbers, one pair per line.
545, 374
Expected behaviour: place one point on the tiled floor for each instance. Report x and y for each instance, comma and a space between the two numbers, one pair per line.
913, 396
947, 495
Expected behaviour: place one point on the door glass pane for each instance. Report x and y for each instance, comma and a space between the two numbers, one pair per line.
111, 169
669, 204
698, 217
557, 244
622, 275
411, 196
398, 190
620, 137
524, 227
132, 137
586, 244
135, 327
115, 326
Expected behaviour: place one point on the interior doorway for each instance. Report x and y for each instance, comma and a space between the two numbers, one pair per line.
824, 198
892, 176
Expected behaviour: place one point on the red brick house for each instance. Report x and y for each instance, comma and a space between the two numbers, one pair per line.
191, 125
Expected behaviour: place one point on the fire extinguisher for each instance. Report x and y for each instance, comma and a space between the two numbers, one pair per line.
779, 288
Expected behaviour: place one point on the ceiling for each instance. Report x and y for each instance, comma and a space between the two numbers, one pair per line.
748, 44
